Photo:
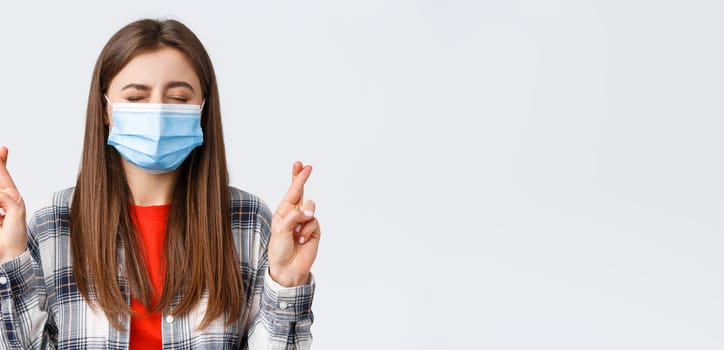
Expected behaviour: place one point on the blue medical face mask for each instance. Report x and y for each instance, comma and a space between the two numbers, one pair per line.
156, 137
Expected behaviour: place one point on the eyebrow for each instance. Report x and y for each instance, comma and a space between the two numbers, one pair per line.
172, 84
137, 87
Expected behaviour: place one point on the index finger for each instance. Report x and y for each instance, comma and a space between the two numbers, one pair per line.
5, 180
296, 190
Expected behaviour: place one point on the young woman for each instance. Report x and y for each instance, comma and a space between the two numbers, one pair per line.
152, 248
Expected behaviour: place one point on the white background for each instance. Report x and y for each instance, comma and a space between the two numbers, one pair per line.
489, 174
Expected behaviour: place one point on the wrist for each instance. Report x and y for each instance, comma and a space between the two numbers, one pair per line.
286, 279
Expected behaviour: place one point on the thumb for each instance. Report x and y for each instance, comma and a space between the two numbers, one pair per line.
309, 207
292, 222
9, 202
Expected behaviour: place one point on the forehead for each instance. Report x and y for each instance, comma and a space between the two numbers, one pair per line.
155, 68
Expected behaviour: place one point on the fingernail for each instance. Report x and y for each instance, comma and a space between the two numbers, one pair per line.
301, 240
298, 228
2, 212
308, 213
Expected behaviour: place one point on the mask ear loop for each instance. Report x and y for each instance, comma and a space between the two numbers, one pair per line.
201, 109
108, 99
105, 116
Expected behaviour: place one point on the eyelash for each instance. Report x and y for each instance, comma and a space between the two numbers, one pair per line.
138, 98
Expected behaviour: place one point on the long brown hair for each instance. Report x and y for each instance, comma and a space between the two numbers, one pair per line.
199, 249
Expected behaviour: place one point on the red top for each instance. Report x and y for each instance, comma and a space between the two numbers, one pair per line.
150, 223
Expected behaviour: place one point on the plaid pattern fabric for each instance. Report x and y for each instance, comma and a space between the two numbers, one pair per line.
41, 307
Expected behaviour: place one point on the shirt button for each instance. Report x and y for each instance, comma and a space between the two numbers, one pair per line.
3, 280
283, 305
120, 269
169, 319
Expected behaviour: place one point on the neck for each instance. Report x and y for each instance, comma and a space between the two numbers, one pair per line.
149, 189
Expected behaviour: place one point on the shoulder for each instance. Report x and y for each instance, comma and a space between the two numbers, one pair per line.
59, 199
56, 206
241, 197
250, 225
52, 210
247, 208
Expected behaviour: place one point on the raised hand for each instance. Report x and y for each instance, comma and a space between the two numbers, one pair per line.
295, 233
13, 233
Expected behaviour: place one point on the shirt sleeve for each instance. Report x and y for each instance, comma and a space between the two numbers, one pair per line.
285, 314
23, 301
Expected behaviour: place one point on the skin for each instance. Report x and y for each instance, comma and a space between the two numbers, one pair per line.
166, 76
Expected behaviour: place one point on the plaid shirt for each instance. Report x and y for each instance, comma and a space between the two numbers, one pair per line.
41, 307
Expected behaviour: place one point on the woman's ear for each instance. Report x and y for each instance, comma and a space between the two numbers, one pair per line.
106, 110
